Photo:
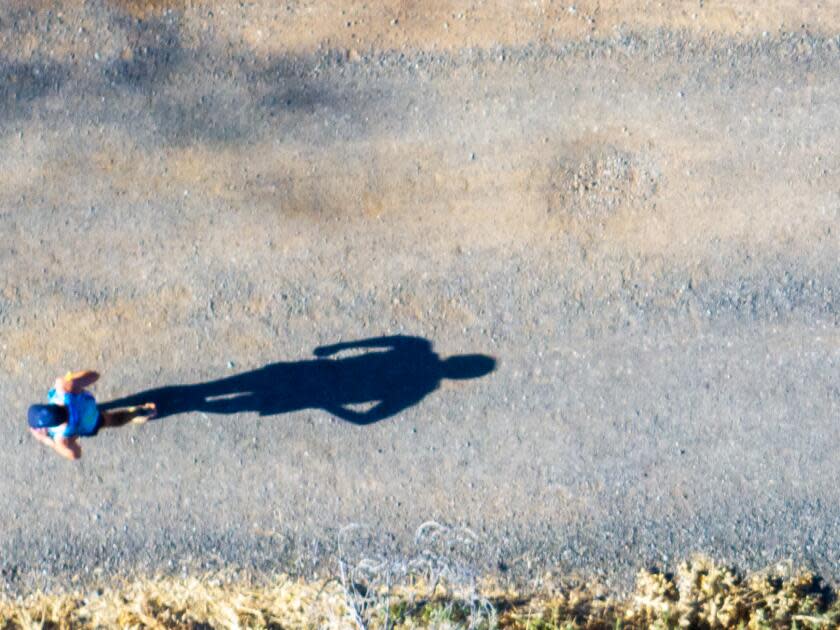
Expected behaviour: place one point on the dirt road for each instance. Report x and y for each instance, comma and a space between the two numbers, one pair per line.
634, 211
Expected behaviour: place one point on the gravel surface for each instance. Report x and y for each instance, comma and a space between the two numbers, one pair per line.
641, 227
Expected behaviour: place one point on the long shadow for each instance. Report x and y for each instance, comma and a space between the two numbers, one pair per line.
389, 376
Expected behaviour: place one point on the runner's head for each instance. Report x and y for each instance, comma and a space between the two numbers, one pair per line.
46, 416
468, 366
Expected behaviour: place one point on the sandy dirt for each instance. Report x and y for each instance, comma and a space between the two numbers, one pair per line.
633, 207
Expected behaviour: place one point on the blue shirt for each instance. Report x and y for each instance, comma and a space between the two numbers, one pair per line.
82, 414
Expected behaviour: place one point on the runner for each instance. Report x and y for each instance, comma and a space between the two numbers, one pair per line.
72, 413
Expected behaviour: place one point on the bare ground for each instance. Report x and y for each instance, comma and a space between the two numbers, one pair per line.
633, 208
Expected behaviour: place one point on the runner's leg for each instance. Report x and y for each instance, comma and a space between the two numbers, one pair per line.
128, 415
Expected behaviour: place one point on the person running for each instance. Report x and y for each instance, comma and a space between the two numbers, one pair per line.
72, 413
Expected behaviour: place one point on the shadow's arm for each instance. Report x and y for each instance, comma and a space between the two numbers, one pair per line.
395, 342
378, 412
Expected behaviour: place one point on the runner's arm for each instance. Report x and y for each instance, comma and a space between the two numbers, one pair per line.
66, 447
76, 382
42, 436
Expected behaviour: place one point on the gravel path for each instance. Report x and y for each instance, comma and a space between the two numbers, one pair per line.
641, 229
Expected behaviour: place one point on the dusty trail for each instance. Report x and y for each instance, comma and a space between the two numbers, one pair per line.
639, 224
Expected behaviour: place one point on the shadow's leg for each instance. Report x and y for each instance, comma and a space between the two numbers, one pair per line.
113, 418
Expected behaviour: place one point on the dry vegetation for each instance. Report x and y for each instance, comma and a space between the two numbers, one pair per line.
702, 594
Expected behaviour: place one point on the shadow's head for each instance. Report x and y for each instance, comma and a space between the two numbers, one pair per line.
47, 416
466, 366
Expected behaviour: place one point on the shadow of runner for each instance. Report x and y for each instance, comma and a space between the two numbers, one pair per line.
393, 374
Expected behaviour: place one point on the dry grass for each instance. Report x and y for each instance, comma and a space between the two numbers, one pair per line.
183, 603
701, 594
